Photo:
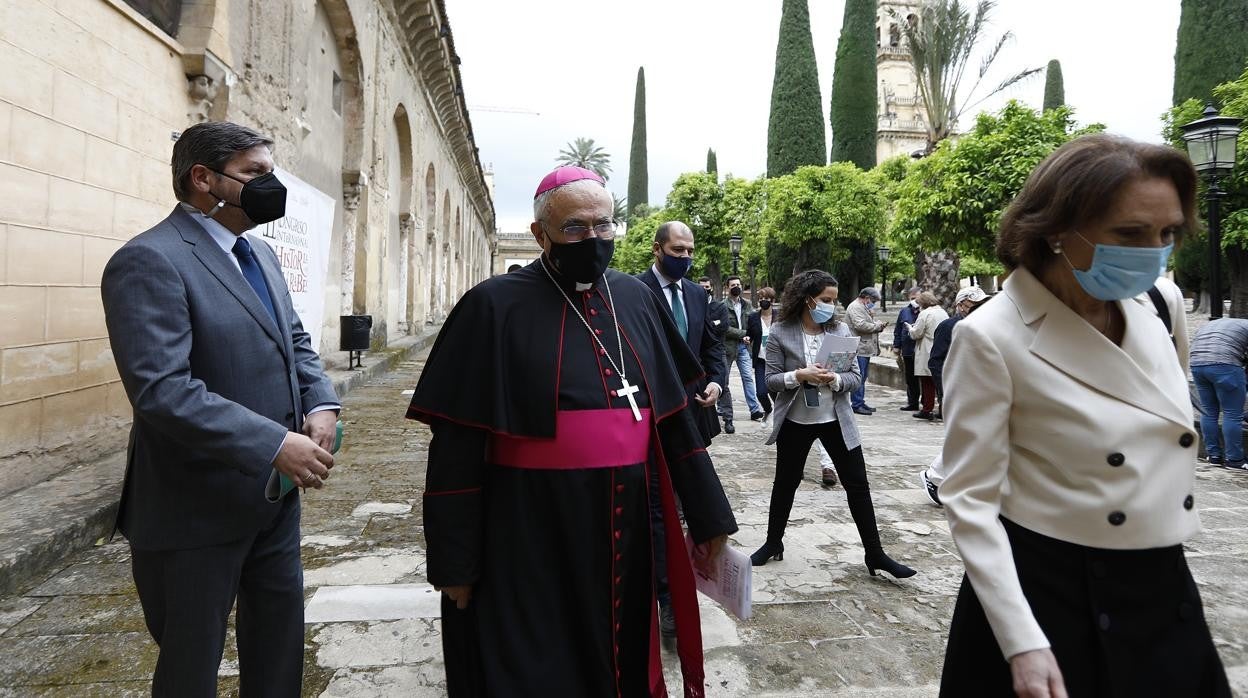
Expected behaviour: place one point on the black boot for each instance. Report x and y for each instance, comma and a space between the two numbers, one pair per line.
728, 428
770, 551
863, 512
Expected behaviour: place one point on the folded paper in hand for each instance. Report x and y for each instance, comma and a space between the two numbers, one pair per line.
729, 581
279, 485
838, 354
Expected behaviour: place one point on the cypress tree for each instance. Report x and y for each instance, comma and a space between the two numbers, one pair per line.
853, 119
1212, 47
712, 163
795, 129
638, 177
854, 92
1054, 88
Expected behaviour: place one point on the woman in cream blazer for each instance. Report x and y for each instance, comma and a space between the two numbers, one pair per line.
1069, 450
923, 332
813, 404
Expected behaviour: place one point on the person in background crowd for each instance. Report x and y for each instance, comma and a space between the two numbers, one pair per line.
967, 300
717, 319
1069, 445
860, 316
903, 346
736, 351
757, 329
813, 403
923, 331
1219, 350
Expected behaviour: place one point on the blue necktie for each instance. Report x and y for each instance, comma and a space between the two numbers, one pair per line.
678, 312
255, 277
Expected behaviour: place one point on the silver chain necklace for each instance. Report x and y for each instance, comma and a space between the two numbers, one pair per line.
626, 390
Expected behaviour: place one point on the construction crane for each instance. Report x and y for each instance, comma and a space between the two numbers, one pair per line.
502, 110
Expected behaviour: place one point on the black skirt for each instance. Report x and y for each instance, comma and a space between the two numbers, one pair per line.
1120, 622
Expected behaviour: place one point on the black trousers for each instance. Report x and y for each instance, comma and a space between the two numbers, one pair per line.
760, 385
187, 596
912, 381
1121, 623
792, 446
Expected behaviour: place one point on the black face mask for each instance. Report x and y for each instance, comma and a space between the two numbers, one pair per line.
764, 304
734, 291
583, 261
263, 198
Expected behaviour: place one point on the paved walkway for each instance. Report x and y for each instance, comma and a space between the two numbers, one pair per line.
822, 626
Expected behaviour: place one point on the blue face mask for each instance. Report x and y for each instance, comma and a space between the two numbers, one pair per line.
1119, 272
871, 305
675, 267
822, 312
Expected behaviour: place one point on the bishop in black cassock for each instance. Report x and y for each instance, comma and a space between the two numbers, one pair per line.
552, 393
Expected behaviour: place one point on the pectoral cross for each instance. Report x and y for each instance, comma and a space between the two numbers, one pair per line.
627, 391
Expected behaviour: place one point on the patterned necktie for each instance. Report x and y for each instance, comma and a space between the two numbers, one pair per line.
251, 272
678, 312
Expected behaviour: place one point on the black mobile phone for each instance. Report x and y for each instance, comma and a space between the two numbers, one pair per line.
811, 394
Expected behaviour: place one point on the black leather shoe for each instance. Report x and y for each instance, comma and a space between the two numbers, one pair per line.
883, 563
767, 553
758, 416
728, 428
909, 408
862, 410
667, 621
924, 415
829, 477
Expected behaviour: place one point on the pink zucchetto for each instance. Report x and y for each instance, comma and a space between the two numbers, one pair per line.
563, 175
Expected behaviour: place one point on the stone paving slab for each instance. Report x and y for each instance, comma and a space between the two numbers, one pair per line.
821, 627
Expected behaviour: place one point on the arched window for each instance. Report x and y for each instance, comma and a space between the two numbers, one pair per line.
894, 36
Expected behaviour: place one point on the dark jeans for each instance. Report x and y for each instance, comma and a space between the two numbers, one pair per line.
792, 446
912, 381
760, 385
187, 596
1222, 388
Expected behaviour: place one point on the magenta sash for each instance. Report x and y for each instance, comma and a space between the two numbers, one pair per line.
584, 439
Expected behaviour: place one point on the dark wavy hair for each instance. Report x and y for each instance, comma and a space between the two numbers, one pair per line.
807, 284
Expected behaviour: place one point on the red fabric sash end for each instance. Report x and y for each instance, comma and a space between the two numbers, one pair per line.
584, 439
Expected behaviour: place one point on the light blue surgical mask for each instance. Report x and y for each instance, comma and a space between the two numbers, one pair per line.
870, 305
822, 312
1119, 272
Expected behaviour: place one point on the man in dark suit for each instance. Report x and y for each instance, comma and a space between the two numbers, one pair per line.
687, 302
227, 392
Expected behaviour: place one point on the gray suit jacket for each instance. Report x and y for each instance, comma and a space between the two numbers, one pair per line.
786, 352
214, 383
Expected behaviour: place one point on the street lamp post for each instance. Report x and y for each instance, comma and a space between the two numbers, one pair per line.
883, 253
752, 266
734, 244
1211, 142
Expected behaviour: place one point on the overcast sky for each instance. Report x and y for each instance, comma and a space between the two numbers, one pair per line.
709, 66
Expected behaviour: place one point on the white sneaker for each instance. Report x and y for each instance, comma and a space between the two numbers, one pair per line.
930, 489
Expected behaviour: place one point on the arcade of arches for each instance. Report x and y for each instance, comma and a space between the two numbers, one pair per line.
365, 102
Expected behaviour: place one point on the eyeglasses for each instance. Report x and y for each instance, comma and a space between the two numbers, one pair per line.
603, 230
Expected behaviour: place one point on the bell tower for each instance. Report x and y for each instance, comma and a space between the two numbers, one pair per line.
902, 125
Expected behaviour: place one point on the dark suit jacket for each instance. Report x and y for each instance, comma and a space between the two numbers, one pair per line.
703, 340
215, 384
754, 330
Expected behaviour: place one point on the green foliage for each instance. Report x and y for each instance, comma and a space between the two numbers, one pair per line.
941, 45
712, 162
853, 111
633, 251
795, 129
836, 203
954, 198
1054, 87
1212, 47
976, 266
638, 174
583, 153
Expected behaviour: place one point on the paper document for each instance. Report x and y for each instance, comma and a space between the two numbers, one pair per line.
838, 353
729, 582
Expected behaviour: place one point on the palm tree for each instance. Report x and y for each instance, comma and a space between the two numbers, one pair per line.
621, 207
583, 153
940, 45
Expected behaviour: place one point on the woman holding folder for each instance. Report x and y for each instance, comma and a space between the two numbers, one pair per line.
813, 403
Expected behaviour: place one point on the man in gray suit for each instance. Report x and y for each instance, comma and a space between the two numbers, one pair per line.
226, 389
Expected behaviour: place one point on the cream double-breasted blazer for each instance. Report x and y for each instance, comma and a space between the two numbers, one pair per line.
1054, 427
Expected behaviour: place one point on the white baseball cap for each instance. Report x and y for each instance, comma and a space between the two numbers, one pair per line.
973, 294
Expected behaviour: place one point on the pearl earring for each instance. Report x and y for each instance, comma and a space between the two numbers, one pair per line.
1057, 247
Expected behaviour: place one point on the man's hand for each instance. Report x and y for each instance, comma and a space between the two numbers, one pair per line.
1036, 675
746, 339
301, 460
706, 555
461, 595
711, 394
320, 426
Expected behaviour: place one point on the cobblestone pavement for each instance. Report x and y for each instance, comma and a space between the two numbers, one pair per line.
822, 626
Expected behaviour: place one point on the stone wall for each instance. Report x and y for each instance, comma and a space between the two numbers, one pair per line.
364, 101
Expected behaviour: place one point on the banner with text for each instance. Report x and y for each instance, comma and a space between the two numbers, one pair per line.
301, 241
